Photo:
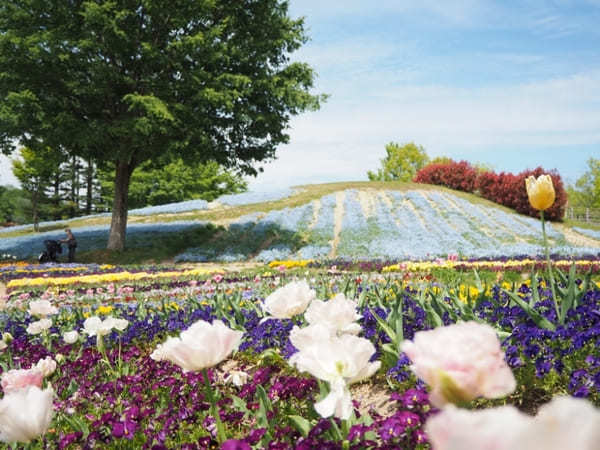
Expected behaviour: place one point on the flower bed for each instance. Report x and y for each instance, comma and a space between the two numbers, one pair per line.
115, 384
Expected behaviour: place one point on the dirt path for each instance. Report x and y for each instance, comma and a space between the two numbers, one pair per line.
2, 290
575, 238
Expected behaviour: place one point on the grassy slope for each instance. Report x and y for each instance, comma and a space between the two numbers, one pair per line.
165, 247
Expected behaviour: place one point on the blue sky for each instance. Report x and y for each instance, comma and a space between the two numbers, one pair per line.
512, 84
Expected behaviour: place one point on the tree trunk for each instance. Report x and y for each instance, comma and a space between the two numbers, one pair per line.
89, 186
34, 207
118, 224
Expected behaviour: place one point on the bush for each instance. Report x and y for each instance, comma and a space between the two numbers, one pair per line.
454, 175
503, 188
509, 190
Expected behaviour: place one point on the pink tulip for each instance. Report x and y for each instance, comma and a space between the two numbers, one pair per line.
16, 379
25, 414
460, 362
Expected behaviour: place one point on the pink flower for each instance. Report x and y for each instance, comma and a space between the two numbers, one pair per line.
460, 362
488, 429
217, 278
16, 379
281, 268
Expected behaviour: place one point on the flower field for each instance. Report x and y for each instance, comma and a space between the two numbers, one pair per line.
350, 224
306, 354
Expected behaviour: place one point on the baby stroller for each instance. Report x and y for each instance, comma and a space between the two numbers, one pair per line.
52, 248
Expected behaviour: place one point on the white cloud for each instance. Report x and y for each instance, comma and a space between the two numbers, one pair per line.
6, 175
342, 141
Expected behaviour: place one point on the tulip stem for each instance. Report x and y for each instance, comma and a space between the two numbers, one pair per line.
549, 265
213, 407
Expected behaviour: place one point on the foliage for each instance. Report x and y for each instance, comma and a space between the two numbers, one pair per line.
509, 190
454, 175
174, 182
14, 205
127, 83
586, 192
401, 163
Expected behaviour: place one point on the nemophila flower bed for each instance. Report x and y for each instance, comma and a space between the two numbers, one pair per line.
289, 361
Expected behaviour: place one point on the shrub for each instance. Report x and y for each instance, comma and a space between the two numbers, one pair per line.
454, 175
509, 190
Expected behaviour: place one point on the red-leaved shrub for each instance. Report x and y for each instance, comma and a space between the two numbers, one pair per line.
503, 188
454, 175
509, 190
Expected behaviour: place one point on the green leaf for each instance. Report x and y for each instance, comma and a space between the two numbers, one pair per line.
300, 424
540, 320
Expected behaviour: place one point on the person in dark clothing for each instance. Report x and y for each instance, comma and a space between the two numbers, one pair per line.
71, 244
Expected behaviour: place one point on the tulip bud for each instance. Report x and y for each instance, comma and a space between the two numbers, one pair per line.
7, 337
540, 192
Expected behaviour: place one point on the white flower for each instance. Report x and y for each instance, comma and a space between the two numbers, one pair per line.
3, 345
70, 337
118, 324
340, 361
39, 326
236, 377
289, 300
95, 326
201, 346
46, 366
493, 428
25, 414
565, 422
338, 314
42, 308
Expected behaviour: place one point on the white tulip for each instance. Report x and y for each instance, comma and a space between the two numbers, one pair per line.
565, 422
289, 300
201, 346
42, 308
25, 414
340, 361
39, 326
338, 314
70, 337
46, 366
118, 324
95, 326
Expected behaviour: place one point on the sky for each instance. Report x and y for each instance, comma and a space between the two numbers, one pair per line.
509, 84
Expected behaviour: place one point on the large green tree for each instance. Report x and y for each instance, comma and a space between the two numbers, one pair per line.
127, 81
401, 162
175, 181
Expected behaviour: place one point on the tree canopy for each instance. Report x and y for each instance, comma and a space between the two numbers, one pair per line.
127, 82
586, 192
401, 162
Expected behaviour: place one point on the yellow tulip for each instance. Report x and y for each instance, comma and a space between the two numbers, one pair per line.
540, 192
